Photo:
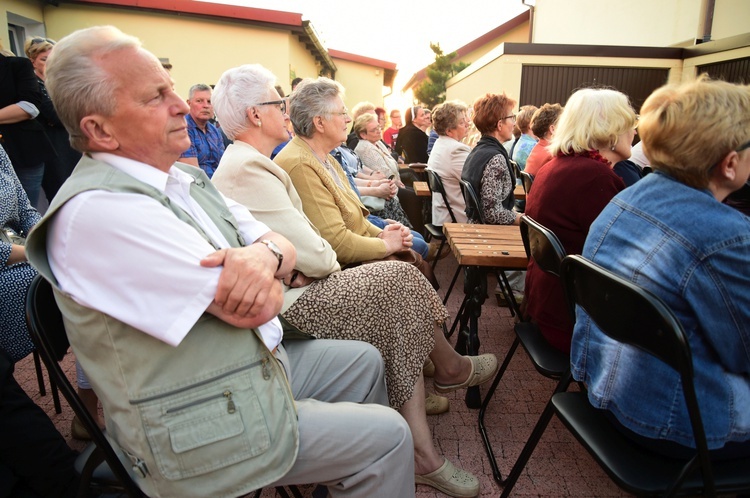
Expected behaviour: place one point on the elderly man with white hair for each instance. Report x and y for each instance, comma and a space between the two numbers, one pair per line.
170, 293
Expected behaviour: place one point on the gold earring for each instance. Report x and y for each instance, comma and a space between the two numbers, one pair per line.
259, 125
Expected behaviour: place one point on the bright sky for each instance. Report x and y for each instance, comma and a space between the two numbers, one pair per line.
397, 31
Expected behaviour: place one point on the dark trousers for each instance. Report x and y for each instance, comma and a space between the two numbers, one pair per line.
35, 460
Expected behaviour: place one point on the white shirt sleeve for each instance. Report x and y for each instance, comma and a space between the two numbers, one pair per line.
155, 255
250, 228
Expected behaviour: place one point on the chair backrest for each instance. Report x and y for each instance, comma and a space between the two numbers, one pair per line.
473, 208
542, 245
48, 333
436, 185
527, 181
632, 315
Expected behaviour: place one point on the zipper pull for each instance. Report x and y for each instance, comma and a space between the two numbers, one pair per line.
230, 404
266, 373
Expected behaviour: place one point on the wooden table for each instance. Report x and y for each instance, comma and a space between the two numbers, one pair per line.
422, 189
481, 249
519, 193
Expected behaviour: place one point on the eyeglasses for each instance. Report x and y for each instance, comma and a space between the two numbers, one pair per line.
512, 116
37, 40
345, 113
742, 147
281, 103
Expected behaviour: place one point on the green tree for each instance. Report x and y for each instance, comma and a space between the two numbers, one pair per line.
431, 91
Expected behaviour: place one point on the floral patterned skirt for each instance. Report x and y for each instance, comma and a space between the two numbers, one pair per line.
388, 304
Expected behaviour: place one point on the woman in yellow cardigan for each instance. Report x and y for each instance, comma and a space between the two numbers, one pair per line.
389, 304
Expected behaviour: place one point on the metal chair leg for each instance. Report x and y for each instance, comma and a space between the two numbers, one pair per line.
437, 256
482, 430
39, 374
450, 287
534, 438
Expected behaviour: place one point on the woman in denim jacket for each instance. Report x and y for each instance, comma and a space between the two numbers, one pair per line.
671, 234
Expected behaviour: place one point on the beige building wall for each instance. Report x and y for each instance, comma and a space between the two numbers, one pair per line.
731, 17
502, 73
519, 34
651, 23
301, 64
361, 81
199, 50
31, 14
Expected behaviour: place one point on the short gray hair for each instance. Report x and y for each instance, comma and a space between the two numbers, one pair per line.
76, 82
312, 98
200, 87
239, 89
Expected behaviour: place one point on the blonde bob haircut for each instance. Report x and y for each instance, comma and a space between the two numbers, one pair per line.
360, 124
592, 119
37, 45
688, 128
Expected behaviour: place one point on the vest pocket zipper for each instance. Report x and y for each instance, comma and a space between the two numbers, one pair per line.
231, 408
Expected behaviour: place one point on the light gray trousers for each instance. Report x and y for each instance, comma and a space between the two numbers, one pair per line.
350, 440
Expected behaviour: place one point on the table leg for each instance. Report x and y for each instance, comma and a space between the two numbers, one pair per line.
468, 342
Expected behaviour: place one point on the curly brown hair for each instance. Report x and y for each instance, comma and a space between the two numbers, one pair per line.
544, 117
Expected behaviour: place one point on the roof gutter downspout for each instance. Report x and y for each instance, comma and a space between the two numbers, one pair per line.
708, 20
530, 4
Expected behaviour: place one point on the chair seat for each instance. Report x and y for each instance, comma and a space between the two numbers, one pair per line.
548, 361
435, 231
634, 468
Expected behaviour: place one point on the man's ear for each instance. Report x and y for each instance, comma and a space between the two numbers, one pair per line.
96, 129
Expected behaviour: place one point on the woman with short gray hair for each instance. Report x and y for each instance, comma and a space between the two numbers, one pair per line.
387, 304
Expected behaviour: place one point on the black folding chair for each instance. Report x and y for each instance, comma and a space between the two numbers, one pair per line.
48, 333
527, 181
632, 315
436, 231
545, 248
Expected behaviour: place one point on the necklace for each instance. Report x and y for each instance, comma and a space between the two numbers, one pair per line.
326, 164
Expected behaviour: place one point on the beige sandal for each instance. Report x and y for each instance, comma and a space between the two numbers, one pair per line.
435, 405
451, 481
483, 368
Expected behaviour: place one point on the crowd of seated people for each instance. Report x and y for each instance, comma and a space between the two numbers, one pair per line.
283, 270
401, 309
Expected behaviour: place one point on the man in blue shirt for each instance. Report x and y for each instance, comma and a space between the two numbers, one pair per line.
206, 142
671, 234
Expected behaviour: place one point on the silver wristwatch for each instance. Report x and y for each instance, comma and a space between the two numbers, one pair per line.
271, 245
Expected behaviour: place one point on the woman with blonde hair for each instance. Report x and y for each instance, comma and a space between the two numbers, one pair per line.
23, 136
670, 234
594, 132
57, 169
371, 150
388, 304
